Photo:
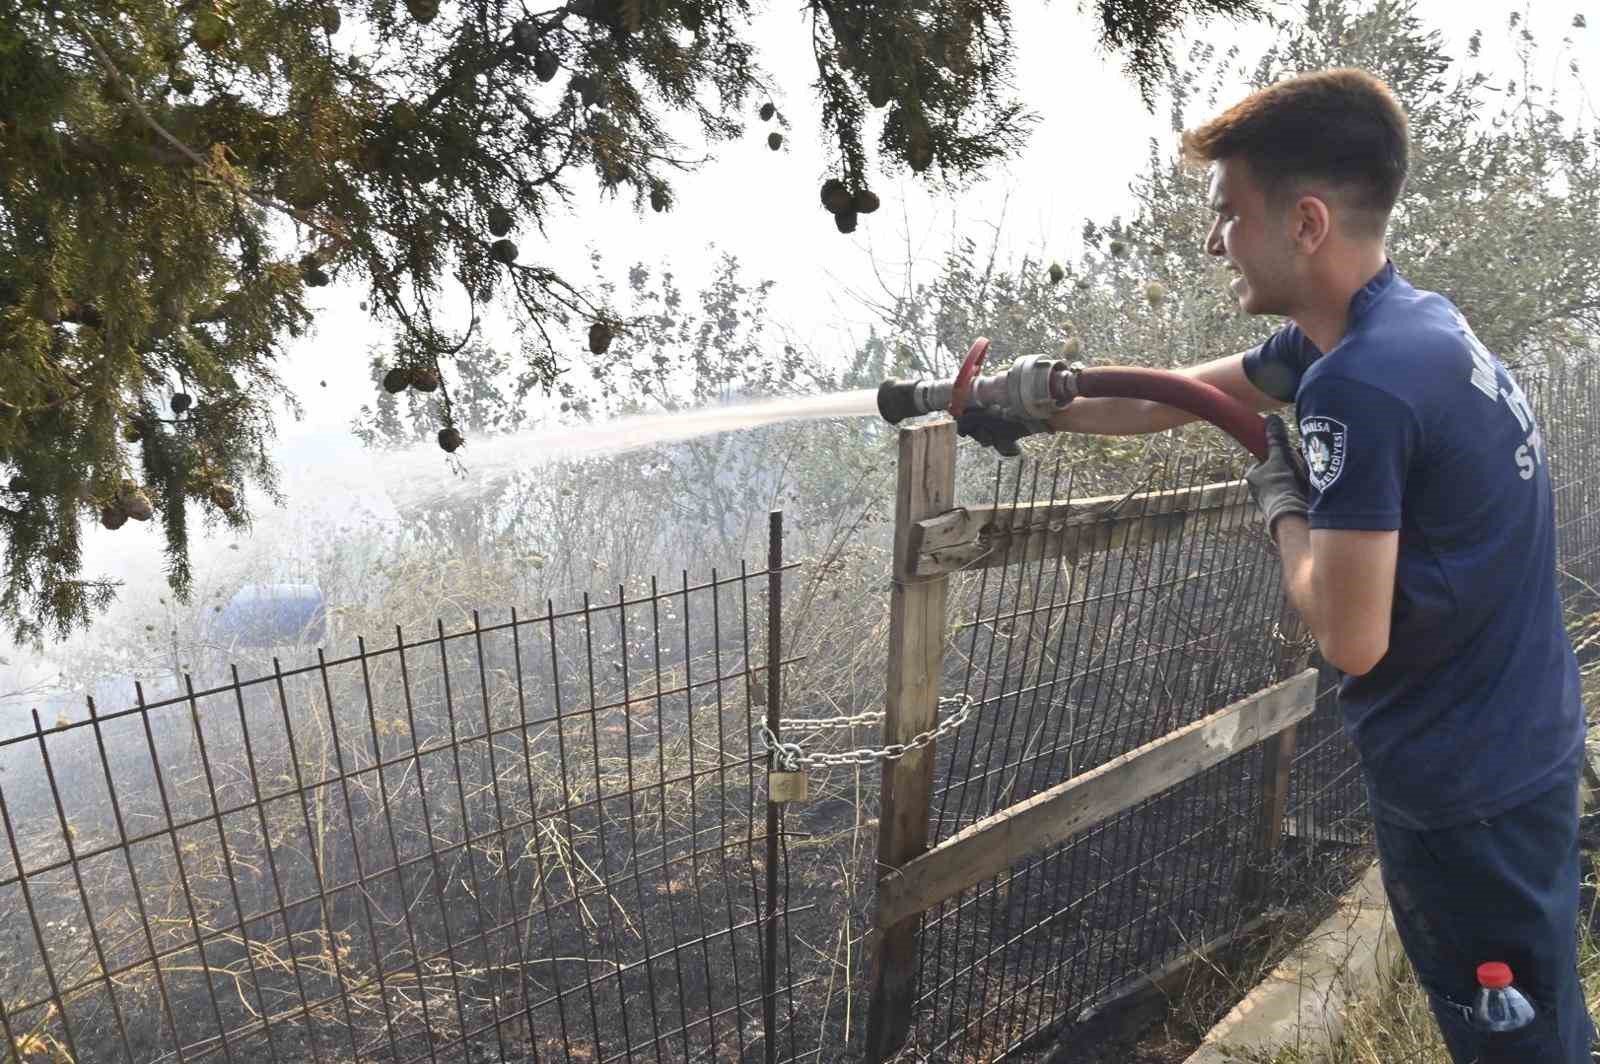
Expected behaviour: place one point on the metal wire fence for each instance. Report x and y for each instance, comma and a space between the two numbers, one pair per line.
545, 836
540, 839
1072, 665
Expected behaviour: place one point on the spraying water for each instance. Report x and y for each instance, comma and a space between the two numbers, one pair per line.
412, 475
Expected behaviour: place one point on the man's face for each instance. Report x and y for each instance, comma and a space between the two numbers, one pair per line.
1253, 236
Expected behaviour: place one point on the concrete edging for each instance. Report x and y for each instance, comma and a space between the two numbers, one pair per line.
1302, 1002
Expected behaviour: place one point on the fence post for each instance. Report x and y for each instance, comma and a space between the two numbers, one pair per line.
769, 972
925, 486
1278, 758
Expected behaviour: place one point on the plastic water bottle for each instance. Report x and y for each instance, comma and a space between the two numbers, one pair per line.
1500, 1006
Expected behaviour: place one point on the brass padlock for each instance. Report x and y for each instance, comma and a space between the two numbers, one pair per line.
786, 786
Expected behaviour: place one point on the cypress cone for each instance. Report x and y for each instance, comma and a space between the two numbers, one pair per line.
599, 337
919, 154
450, 439
525, 36
135, 502
397, 380
835, 196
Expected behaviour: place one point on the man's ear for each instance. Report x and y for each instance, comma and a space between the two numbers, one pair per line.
1312, 223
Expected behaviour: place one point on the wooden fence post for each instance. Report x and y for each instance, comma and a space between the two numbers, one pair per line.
1277, 760
925, 486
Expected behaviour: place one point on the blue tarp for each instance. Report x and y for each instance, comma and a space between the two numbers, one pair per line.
268, 615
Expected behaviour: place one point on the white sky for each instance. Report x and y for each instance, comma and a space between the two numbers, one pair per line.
1091, 141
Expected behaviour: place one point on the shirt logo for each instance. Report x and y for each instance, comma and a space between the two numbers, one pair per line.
1325, 449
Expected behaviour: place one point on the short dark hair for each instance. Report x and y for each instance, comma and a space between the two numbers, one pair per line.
1340, 126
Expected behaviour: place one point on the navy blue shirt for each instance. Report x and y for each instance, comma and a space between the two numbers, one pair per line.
1409, 423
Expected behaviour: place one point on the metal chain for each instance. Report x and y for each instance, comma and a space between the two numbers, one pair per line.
792, 757
1304, 643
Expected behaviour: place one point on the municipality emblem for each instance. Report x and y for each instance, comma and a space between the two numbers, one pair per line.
1325, 448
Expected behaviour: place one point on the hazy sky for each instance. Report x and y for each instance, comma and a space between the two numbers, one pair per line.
760, 205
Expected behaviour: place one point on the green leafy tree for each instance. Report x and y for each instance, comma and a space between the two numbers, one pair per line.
173, 176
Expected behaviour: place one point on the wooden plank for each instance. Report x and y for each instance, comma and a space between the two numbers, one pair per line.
966, 523
1277, 762
1293, 659
926, 485
985, 536
999, 841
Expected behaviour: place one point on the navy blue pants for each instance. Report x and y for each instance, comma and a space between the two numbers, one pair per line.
1503, 889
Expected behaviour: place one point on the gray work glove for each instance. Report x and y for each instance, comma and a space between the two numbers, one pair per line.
984, 426
1279, 484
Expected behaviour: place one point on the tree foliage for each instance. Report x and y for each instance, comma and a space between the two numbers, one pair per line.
174, 176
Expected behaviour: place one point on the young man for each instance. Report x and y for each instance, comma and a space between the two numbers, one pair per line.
1419, 547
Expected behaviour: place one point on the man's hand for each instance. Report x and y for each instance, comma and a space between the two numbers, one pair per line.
1279, 484
993, 430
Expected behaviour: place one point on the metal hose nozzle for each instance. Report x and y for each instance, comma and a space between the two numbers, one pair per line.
901, 399
1037, 386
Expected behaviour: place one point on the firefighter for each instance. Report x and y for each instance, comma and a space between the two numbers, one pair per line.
1417, 539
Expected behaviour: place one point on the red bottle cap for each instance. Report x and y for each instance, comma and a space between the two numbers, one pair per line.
1494, 975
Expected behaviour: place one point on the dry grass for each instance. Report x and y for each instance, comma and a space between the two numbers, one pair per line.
1393, 1025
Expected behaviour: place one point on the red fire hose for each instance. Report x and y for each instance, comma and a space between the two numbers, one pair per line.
1187, 394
